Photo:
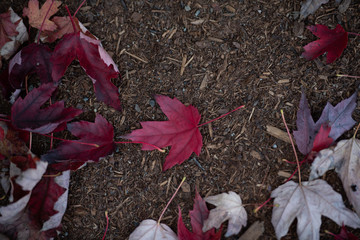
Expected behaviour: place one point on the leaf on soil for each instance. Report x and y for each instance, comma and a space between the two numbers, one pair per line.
92, 57
27, 115
180, 132
308, 202
228, 207
13, 42
151, 230
322, 139
64, 26
34, 58
72, 155
338, 118
310, 6
7, 28
37, 16
332, 41
198, 215
345, 159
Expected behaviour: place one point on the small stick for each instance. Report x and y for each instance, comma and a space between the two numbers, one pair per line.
188, 62
182, 69
344, 75
136, 57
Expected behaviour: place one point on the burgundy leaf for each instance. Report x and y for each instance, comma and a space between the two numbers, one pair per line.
332, 41
345, 235
96, 141
93, 59
27, 115
322, 139
34, 58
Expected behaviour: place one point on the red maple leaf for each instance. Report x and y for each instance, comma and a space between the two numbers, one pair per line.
27, 115
345, 235
96, 141
198, 216
180, 132
93, 59
331, 41
34, 58
7, 28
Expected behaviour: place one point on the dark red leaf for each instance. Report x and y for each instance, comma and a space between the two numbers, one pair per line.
27, 115
322, 139
198, 216
331, 41
180, 132
93, 59
71, 155
34, 58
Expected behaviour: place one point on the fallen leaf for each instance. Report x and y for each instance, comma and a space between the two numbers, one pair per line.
64, 26
310, 6
72, 155
27, 115
34, 58
308, 202
92, 57
7, 28
37, 16
180, 132
151, 230
331, 41
198, 216
338, 118
322, 139
14, 41
345, 159
228, 207
345, 235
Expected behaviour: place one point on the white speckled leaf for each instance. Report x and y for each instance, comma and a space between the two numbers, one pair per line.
228, 207
308, 203
345, 159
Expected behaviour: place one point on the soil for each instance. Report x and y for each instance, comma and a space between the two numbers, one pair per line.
238, 52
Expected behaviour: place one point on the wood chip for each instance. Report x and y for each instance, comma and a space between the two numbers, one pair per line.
256, 155
282, 81
185, 187
254, 232
198, 22
216, 39
182, 69
285, 174
204, 82
230, 8
279, 134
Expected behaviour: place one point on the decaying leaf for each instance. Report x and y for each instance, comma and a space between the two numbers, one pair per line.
338, 118
345, 159
228, 207
308, 202
310, 6
37, 16
180, 132
151, 230
7, 28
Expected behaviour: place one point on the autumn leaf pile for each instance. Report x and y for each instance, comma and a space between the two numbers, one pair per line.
36, 187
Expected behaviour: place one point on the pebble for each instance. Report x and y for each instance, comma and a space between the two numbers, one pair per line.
274, 146
197, 13
187, 8
137, 108
152, 103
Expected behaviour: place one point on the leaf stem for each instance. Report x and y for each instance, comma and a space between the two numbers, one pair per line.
356, 130
262, 205
352, 33
73, 141
79, 8
72, 21
42, 24
107, 224
157, 148
293, 146
221, 116
167, 205
345, 75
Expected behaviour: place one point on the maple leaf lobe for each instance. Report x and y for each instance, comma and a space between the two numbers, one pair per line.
331, 41
36, 16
